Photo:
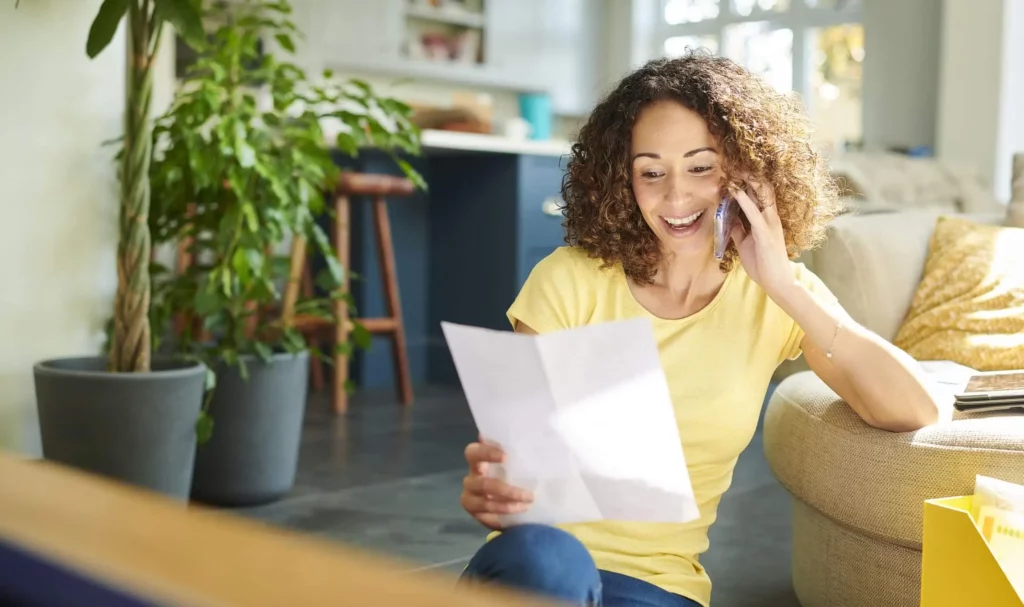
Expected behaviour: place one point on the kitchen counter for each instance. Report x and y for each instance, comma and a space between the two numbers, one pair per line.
434, 141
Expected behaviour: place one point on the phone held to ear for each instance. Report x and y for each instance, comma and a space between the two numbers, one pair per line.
725, 217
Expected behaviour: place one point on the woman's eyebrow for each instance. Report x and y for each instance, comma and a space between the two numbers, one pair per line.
656, 156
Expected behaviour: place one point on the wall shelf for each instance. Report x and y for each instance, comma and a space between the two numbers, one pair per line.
448, 16
517, 45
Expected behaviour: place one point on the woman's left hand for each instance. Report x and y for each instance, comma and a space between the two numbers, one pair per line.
763, 250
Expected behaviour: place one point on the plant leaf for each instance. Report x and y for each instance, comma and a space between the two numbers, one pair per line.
185, 16
347, 143
246, 155
322, 241
249, 213
225, 282
206, 301
263, 351
204, 427
412, 174
240, 263
360, 336
286, 42
104, 26
294, 341
211, 380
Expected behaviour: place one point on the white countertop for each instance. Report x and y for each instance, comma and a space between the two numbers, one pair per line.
436, 140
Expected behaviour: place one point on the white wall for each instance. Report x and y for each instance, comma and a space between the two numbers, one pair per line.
982, 87
902, 39
417, 91
970, 91
1010, 139
58, 195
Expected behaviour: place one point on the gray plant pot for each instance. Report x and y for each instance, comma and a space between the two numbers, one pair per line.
137, 428
257, 427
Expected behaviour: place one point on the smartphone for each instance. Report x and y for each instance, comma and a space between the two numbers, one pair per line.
725, 217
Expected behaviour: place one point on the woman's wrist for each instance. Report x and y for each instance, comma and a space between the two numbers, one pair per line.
789, 294
817, 318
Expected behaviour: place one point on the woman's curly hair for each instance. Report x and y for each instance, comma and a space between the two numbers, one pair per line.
760, 133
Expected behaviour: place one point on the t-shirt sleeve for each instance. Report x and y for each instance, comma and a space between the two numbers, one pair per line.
550, 299
794, 333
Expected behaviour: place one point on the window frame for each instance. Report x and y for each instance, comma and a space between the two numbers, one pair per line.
799, 17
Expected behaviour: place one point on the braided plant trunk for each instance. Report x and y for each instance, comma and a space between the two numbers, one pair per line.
131, 345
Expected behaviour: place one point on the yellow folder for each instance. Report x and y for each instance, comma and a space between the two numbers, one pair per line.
958, 568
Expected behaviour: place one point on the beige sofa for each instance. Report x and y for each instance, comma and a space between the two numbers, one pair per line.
859, 492
873, 182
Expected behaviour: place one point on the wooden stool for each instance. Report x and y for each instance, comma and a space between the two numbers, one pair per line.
378, 187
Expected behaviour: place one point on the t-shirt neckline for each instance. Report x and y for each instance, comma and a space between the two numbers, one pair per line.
624, 283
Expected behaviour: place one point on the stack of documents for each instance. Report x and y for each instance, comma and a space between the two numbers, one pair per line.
998, 510
584, 417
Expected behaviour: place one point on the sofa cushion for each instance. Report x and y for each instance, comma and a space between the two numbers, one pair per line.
872, 263
1015, 214
969, 305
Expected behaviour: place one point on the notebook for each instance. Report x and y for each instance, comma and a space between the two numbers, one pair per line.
992, 391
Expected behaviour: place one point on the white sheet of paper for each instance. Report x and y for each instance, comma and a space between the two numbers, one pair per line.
585, 418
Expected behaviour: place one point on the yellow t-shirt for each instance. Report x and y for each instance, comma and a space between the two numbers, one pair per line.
718, 362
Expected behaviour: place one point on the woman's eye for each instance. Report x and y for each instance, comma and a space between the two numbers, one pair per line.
650, 174
699, 170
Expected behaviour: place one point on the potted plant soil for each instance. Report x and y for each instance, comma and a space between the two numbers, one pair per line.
242, 164
126, 415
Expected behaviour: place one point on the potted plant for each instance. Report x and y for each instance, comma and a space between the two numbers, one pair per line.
242, 163
127, 415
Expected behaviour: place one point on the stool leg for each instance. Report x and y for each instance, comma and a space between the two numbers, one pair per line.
341, 242
385, 248
183, 262
316, 366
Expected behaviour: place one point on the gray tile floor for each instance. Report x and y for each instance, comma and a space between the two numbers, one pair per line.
387, 479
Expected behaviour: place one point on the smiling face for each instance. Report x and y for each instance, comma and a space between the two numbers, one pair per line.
676, 176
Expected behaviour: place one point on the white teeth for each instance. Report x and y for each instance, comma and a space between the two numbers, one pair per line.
684, 221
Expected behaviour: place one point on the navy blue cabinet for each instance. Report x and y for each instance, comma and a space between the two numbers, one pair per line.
463, 249
492, 218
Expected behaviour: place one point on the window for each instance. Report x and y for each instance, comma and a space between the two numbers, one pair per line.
678, 45
834, 87
765, 50
744, 8
690, 11
814, 48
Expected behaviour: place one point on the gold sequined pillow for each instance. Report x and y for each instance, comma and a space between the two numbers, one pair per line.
969, 306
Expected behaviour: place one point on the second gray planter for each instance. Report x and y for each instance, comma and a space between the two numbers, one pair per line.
253, 453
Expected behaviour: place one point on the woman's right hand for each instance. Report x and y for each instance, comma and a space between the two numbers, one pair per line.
483, 497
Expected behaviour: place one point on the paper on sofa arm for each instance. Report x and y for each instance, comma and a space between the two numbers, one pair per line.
585, 418
998, 510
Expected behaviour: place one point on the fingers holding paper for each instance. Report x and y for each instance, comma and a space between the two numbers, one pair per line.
486, 498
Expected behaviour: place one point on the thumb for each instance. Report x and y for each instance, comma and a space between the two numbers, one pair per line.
490, 520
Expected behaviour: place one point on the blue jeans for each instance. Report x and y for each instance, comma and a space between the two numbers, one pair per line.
548, 561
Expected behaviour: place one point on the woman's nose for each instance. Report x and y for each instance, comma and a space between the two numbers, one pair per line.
678, 190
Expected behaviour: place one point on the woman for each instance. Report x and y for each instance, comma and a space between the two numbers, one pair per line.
642, 186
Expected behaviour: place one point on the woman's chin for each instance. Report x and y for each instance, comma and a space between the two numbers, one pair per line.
699, 243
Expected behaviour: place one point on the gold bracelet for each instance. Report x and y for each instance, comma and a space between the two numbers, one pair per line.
828, 354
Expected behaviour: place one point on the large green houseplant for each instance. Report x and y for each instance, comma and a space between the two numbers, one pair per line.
242, 163
126, 415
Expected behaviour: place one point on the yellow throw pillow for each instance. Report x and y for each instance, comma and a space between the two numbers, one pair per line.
969, 306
